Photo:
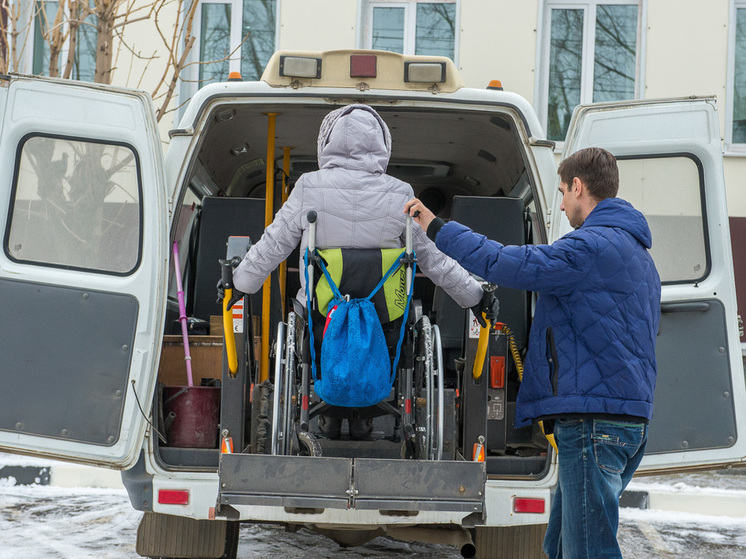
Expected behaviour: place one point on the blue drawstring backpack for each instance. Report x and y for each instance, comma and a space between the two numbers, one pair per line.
355, 364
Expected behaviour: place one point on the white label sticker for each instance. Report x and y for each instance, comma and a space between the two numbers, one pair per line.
473, 326
237, 311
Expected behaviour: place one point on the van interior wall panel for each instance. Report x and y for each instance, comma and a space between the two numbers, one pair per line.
71, 348
220, 218
499, 219
698, 410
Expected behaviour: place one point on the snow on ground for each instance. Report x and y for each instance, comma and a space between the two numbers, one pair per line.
66, 523
655, 534
46, 522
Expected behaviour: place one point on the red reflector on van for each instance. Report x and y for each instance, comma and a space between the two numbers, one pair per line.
363, 66
536, 506
173, 497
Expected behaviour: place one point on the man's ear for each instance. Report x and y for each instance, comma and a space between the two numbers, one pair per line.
578, 187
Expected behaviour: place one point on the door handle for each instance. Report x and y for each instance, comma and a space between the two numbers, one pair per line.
693, 306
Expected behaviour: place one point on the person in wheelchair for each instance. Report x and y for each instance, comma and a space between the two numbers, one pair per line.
358, 206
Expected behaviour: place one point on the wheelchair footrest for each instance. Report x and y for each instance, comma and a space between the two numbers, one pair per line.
356, 483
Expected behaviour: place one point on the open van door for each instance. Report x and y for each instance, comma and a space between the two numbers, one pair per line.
671, 169
82, 268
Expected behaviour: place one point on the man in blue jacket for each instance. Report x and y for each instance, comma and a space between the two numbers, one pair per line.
590, 369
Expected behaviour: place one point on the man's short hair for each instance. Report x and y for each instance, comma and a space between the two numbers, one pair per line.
596, 167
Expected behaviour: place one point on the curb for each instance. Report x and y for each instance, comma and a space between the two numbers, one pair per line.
715, 503
61, 475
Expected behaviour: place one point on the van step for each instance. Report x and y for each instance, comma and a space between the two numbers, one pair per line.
355, 483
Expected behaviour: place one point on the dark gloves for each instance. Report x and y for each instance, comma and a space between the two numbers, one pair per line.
236, 295
489, 305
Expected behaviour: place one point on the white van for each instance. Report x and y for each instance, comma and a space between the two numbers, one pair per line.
90, 337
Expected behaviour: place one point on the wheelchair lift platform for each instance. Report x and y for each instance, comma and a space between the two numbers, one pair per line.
320, 482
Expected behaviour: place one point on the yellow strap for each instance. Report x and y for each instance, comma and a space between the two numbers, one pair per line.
230, 337
519, 368
550, 437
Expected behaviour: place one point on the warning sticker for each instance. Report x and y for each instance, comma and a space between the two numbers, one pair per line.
473, 326
237, 311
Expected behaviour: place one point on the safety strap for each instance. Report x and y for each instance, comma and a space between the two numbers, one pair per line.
338, 296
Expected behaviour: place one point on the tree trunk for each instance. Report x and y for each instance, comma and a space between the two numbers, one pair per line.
106, 11
77, 14
56, 39
4, 33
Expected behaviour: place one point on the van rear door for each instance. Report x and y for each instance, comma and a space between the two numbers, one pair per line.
671, 168
82, 269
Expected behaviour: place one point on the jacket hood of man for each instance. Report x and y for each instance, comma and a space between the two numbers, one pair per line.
615, 212
354, 137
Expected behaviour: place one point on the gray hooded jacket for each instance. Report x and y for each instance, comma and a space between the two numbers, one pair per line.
358, 206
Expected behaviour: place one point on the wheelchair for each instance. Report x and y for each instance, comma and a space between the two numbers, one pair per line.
414, 412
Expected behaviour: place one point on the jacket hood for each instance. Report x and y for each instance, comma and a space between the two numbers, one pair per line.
354, 137
615, 212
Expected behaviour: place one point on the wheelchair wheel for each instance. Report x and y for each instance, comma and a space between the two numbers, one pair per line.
424, 390
308, 444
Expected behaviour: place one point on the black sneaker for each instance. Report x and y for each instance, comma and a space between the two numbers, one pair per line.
330, 427
361, 429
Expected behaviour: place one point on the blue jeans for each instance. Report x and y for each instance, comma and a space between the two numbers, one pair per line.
596, 461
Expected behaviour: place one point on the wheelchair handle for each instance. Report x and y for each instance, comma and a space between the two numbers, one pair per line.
408, 250
311, 216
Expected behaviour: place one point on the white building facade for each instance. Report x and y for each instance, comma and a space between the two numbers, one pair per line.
555, 53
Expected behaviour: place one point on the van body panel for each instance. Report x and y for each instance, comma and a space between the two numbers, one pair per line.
670, 162
83, 265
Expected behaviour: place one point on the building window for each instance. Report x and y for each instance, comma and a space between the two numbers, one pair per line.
235, 36
590, 53
736, 126
83, 59
412, 27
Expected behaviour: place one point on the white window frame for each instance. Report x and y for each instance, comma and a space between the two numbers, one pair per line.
732, 148
410, 22
27, 34
28, 55
541, 84
190, 84
234, 62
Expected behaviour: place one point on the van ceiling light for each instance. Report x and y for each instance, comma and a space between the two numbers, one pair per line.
425, 72
363, 65
238, 150
300, 67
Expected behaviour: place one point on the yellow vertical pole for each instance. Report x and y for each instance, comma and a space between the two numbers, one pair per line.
268, 216
282, 270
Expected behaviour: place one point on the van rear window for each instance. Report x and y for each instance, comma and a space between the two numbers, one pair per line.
669, 190
76, 204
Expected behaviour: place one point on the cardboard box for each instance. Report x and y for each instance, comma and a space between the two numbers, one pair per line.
216, 325
207, 359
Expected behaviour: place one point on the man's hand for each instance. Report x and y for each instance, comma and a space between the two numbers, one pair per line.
419, 212
490, 306
477, 310
235, 295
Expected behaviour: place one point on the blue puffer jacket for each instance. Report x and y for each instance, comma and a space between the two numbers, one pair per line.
592, 342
